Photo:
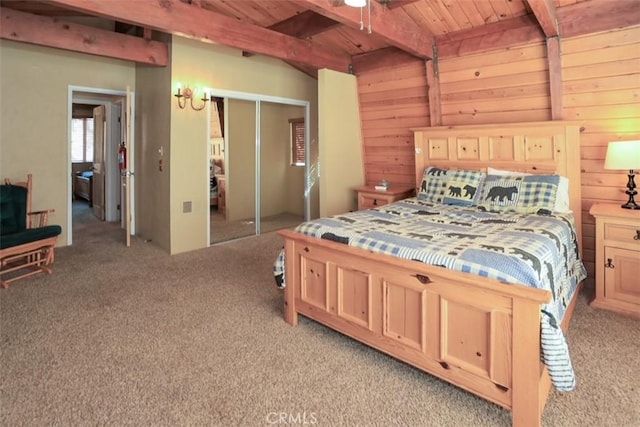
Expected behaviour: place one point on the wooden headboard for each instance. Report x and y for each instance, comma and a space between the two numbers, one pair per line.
533, 147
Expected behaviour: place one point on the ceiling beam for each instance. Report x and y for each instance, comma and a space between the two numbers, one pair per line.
397, 29
52, 32
381, 58
182, 19
305, 24
597, 15
498, 35
545, 13
392, 4
300, 26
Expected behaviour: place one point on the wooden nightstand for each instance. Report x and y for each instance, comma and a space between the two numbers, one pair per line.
617, 259
369, 197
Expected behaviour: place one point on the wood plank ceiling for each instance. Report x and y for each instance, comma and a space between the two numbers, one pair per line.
309, 34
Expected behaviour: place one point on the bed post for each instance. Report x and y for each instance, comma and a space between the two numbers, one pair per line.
291, 283
526, 404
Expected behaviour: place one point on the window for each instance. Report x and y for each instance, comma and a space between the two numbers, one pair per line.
82, 140
297, 142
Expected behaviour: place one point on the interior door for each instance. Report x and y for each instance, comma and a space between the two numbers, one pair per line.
98, 181
125, 175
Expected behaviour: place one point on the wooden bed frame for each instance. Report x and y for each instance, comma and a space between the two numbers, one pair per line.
83, 187
476, 333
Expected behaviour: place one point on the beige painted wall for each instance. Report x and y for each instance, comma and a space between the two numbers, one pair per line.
340, 137
153, 141
34, 84
31, 72
201, 65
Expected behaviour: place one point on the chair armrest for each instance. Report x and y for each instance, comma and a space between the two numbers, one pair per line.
39, 218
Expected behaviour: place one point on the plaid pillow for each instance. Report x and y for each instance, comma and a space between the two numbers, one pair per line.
519, 193
450, 187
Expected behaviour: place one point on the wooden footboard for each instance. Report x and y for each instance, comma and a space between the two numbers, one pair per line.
476, 333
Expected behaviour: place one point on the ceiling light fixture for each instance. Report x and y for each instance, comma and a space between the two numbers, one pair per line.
361, 4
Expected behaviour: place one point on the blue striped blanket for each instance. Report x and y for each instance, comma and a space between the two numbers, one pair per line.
537, 250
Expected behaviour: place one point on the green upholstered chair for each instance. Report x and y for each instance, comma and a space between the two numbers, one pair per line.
26, 241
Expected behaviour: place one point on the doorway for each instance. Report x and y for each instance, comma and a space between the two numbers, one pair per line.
257, 188
82, 209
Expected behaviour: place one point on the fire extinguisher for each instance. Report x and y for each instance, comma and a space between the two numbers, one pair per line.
122, 157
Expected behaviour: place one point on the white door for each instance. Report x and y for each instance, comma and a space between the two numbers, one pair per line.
126, 172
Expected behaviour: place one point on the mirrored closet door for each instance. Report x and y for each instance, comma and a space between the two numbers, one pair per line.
257, 165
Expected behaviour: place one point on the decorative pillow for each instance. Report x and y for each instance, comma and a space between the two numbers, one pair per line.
528, 193
562, 196
450, 187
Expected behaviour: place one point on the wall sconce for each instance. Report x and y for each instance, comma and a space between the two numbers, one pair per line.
187, 94
625, 155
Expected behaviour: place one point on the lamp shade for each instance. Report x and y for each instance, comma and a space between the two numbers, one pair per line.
356, 3
623, 155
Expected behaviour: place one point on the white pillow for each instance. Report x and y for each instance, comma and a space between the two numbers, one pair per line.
562, 196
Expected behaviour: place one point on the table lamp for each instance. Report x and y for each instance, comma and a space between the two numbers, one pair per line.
625, 155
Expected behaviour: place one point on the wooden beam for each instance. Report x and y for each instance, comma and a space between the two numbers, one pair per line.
545, 13
575, 20
397, 29
381, 58
597, 15
305, 24
433, 86
52, 32
499, 35
392, 4
178, 18
554, 57
302, 25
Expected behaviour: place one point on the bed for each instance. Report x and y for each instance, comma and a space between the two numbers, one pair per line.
83, 185
481, 332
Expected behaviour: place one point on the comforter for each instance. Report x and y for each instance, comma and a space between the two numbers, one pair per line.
538, 250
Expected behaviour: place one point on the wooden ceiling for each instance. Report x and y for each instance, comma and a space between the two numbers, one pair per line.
309, 34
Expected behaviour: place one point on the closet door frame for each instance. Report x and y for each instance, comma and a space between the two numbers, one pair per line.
258, 99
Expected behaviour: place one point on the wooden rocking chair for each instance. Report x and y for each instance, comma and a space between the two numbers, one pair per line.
26, 241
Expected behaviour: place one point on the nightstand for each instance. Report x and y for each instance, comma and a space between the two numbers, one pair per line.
617, 259
369, 197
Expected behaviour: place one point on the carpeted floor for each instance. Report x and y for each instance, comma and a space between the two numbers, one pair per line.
223, 230
134, 336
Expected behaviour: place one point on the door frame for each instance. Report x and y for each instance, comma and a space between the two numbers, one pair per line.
113, 100
258, 98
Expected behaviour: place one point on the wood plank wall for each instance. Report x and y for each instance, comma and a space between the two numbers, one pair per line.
392, 101
601, 86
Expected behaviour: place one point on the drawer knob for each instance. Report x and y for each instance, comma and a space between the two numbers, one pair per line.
375, 202
609, 263
637, 236
423, 279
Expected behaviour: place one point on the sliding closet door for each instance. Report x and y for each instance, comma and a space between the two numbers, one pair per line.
281, 177
240, 175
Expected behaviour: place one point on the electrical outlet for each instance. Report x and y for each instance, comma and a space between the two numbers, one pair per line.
186, 207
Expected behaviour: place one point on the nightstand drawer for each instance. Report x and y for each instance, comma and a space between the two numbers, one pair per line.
621, 233
369, 198
370, 201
